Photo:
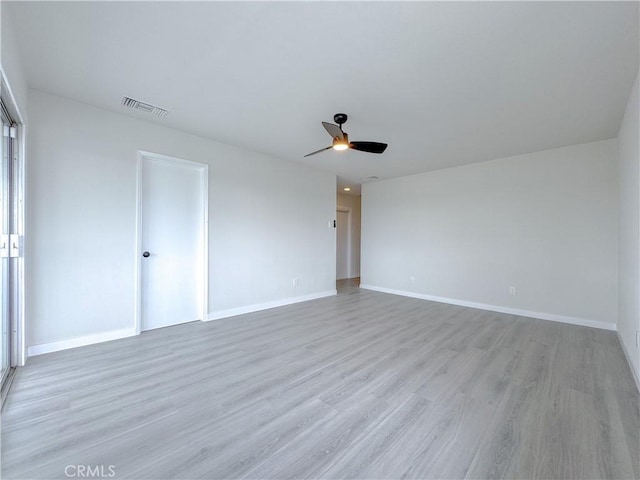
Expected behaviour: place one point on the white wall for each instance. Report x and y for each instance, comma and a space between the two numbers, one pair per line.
268, 222
353, 202
629, 232
544, 222
10, 63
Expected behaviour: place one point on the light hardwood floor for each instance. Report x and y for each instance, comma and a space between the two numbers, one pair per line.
361, 385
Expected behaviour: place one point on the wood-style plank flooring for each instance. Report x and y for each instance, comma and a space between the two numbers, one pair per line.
361, 385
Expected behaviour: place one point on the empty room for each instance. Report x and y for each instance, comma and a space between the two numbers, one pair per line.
320, 240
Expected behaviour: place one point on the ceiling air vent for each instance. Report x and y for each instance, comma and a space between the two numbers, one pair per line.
145, 107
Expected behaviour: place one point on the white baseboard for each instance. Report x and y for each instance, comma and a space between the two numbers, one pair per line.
34, 350
79, 341
232, 312
495, 308
627, 354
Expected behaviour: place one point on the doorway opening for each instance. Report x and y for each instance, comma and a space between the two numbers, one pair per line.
347, 242
343, 243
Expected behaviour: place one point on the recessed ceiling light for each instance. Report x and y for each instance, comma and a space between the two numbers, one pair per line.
347, 189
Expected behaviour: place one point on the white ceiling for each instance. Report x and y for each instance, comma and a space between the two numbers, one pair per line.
444, 84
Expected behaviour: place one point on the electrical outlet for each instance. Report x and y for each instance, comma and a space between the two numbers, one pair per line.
513, 291
412, 279
296, 282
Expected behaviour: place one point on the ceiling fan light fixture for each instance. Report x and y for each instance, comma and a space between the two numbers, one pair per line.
341, 143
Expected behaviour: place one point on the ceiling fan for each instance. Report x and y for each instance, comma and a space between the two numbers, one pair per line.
341, 139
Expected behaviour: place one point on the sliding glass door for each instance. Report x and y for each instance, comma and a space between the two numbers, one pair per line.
4, 275
9, 245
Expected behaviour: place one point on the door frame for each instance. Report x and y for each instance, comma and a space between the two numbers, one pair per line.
203, 169
347, 210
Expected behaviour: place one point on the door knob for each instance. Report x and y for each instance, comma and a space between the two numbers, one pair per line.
146, 254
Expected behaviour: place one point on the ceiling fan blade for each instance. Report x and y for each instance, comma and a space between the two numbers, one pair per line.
333, 130
370, 147
318, 151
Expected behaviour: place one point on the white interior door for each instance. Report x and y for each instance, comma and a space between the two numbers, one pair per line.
342, 245
172, 236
